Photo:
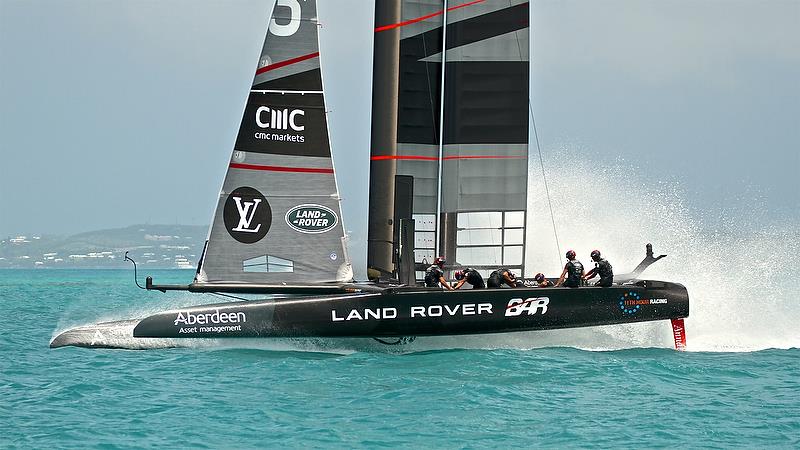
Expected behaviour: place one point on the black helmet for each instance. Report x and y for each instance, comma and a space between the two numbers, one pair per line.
439, 261
570, 254
595, 254
539, 277
459, 274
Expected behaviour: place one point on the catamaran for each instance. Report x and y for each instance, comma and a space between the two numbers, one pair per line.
448, 176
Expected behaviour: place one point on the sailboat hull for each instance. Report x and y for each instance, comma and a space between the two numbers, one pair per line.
411, 312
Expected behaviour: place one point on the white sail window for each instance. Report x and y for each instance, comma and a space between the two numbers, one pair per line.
474, 220
268, 264
515, 219
512, 255
424, 239
424, 222
513, 236
424, 255
488, 240
479, 256
479, 237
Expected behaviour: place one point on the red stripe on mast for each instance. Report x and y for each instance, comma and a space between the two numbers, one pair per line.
395, 157
436, 158
280, 168
288, 62
420, 19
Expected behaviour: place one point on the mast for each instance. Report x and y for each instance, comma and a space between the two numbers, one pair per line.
405, 124
383, 144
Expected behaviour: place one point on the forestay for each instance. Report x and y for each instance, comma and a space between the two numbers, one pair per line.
278, 217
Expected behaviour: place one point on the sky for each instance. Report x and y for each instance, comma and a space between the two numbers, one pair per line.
115, 113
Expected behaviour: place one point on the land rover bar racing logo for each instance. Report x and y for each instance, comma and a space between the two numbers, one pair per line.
311, 218
247, 215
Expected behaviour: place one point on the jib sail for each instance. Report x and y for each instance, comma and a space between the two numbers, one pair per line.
278, 217
470, 126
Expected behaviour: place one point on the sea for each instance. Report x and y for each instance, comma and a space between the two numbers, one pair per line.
616, 386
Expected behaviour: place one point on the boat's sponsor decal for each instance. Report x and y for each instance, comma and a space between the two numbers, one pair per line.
631, 302
212, 322
311, 218
413, 312
285, 125
247, 215
530, 306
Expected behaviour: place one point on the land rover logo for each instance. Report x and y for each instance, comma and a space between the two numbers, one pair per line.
247, 215
311, 218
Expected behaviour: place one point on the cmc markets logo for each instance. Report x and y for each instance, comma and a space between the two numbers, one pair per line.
311, 218
280, 119
247, 215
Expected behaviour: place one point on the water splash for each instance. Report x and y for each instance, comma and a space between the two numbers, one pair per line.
739, 274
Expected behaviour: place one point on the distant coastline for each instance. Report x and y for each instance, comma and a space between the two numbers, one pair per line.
152, 246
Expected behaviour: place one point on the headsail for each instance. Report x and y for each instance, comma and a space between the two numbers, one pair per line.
278, 217
474, 131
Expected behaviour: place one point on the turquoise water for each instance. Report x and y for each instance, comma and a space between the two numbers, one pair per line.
501, 392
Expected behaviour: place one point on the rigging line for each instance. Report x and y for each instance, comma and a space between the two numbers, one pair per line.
219, 294
539, 149
544, 178
437, 234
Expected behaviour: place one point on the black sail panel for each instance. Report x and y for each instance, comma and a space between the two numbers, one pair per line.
278, 217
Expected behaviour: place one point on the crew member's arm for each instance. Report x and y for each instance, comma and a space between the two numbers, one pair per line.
444, 283
591, 274
512, 282
562, 277
459, 284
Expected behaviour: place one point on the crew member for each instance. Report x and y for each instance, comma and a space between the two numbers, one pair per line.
601, 267
541, 281
470, 276
502, 276
434, 275
573, 272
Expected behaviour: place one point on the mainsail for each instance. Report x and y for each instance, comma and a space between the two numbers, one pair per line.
278, 217
464, 144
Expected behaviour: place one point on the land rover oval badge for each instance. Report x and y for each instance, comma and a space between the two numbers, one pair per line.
311, 218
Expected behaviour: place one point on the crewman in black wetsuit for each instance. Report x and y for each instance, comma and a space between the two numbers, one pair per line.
601, 267
502, 276
573, 272
541, 281
470, 276
434, 275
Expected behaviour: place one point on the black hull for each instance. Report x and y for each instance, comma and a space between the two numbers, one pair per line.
413, 312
